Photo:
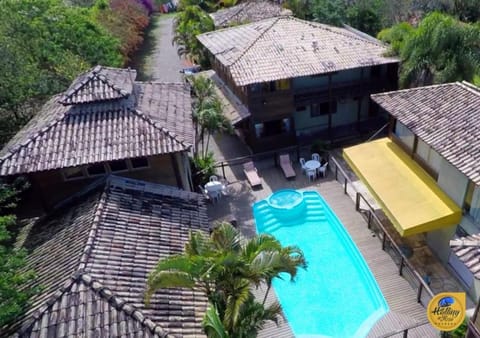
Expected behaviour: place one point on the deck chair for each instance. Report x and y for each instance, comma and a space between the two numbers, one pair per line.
323, 169
251, 173
286, 166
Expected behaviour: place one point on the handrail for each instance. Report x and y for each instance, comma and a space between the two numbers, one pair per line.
377, 132
405, 329
404, 260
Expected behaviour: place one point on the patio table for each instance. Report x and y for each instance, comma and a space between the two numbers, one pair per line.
312, 165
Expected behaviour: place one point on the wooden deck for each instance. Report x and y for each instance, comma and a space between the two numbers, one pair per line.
401, 297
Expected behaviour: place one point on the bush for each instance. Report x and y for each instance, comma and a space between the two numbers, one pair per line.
203, 168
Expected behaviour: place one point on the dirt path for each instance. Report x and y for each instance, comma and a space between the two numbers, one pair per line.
157, 59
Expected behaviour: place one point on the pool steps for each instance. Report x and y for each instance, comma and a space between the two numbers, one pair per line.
312, 206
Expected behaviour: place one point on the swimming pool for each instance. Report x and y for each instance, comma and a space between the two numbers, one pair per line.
337, 296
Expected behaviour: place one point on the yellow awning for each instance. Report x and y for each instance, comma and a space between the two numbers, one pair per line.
409, 197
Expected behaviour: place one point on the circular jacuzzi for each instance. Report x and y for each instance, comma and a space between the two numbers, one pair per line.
285, 199
287, 203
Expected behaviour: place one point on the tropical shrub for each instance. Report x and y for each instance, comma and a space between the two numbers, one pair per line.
441, 49
225, 266
189, 23
14, 295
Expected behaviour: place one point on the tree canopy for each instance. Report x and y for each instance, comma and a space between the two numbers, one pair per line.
226, 266
441, 49
47, 43
13, 275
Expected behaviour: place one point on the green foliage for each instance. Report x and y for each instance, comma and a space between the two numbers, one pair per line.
459, 332
13, 276
125, 20
225, 266
330, 12
365, 18
189, 23
204, 167
208, 114
396, 36
299, 8
45, 45
442, 49
364, 15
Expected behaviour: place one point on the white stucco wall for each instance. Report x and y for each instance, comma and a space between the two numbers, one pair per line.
452, 182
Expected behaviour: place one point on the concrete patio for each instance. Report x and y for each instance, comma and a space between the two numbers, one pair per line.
405, 312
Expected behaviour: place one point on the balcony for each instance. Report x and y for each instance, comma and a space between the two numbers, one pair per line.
342, 89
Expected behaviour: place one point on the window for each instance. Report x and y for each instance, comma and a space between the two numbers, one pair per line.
282, 84
320, 109
119, 165
272, 128
139, 162
404, 134
301, 108
467, 204
73, 173
256, 87
96, 169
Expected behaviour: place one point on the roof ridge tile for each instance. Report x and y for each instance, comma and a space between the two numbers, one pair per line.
122, 305
93, 232
274, 21
155, 124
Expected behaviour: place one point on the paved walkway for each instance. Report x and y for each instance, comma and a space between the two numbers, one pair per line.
157, 60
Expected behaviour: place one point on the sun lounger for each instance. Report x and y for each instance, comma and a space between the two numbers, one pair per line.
286, 166
251, 173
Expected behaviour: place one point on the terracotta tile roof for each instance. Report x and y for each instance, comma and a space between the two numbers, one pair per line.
233, 108
247, 12
155, 120
287, 47
467, 250
100, 84
445, 117
102, 248
83, 307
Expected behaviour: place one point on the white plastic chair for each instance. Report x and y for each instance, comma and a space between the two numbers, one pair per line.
302, 163
213, 178
312, 175
323, 169
316, 157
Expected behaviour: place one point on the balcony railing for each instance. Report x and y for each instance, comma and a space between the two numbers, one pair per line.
340, 89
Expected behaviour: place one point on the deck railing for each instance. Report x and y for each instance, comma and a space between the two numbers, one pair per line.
386, 238
405, 268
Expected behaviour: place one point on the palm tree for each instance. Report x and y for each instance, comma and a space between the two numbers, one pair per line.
208, 114
211, 121
189, 23
225, 266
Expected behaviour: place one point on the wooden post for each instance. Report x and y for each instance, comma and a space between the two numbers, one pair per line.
369, 219
405, 333
400, 269
419, 293
384, 240
223, 170
345, 186
357, 201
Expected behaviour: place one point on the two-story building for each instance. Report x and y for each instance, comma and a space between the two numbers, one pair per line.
300, 80
104, 123
426, 175
247, 12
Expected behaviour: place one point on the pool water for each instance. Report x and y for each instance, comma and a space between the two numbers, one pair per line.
337, 296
